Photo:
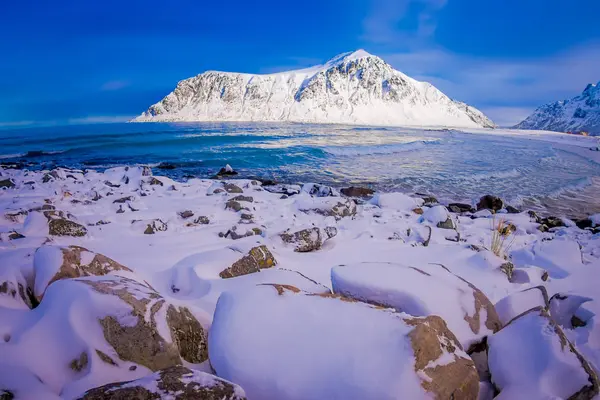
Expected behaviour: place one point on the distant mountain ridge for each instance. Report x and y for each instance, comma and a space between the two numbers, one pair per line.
578, 114
351, 88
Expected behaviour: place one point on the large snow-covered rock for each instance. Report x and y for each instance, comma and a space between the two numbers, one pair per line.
176, 383
354, 88
578, 114
517, 303
91, 331
53, 263
423, 291
280, 343
531, 358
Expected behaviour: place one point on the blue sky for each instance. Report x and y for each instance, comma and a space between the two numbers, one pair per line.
86, 61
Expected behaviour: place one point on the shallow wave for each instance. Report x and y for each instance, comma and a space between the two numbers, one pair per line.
9, 156
578, 185
512, 173
382, 149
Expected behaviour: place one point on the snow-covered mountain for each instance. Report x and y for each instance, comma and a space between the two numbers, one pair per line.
351, 88
579, 114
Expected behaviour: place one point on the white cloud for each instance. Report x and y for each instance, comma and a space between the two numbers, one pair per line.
114, 85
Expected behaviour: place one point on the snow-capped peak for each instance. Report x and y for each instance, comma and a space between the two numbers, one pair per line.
349, 56
578, 114
351, 88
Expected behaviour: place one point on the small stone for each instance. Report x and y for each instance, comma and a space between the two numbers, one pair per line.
507, 268
512, 210
155, 182
355, 191
201, 220
15, 235
123, 200
112, 185
460, 207
186, 214
447, 224
418, 211
309, 239
7, 183
489, 202
248, 199
231, 188
234, 205
64, 227
166, 165
155, 226
428, 200
257, 258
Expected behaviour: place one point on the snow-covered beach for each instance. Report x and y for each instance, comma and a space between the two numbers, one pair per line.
287, 292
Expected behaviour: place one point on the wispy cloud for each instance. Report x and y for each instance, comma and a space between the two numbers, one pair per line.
14, 124
106, 119
381, 26
503, 86
114, 85
292, 64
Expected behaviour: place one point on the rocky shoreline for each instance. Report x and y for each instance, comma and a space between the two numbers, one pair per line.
120, 283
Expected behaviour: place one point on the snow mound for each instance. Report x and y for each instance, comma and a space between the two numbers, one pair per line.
396, 201
426, 290
548, 364
280, 343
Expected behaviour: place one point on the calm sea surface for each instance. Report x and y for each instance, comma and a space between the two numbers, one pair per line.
448, 164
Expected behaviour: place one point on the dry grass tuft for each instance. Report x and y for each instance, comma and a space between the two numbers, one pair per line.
501, 232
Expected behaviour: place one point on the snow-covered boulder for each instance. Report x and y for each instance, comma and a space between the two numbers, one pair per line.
192, 273
309, 239
557, 256
317, 190
328, 206
176, 383
14, 290
267, 337
564, 307
396, 201
532, 358
423, 291
35, 224
517, 303
438, 216
91, 331
52, 263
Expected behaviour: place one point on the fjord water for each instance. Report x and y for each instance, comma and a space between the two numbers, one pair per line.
449, 164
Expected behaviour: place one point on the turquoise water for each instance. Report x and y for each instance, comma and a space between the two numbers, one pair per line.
449, 164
